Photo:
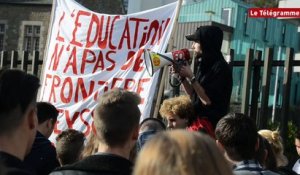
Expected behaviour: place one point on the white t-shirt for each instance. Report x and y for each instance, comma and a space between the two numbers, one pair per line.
296, 167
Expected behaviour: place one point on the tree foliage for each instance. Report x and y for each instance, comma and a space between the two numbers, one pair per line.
264, 3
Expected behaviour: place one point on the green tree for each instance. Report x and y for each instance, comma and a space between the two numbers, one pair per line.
104, 6
264, 3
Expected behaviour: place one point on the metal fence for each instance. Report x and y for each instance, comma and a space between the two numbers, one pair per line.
29, 62
252, 64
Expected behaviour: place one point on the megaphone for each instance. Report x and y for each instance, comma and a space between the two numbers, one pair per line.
154, 60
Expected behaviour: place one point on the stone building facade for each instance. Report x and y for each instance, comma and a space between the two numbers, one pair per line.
24, 23
24, 26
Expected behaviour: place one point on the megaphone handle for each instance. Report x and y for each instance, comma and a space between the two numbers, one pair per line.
177, 84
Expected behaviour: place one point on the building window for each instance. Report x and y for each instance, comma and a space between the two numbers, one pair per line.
2, 33
32, 37
226, 16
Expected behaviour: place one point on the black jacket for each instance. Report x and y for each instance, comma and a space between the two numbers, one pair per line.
214, 75
13, 165
101, 164
42, 158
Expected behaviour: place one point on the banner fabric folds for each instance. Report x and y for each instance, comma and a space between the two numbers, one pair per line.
89, 53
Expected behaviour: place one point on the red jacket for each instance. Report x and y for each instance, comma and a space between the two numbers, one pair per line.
202, 125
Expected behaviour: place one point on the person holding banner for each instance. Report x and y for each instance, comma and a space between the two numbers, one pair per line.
210, 85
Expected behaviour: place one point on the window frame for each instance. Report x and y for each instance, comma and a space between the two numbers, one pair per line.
229, 20
2, 35
32, 36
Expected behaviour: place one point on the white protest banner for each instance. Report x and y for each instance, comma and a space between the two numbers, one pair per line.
89, 53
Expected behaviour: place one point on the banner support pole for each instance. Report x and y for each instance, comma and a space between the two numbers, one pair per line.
164, 69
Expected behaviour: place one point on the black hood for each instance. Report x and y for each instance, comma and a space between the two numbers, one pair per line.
210, 38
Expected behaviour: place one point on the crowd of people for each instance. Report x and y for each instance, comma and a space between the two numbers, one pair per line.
196, 135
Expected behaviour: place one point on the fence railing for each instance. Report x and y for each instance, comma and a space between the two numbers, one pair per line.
29, 62
252, 64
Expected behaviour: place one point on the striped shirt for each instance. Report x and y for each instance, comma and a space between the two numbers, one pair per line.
253, 166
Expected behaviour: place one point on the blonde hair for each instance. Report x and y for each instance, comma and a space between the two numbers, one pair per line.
180, 106
91, 146
180, 152
275, 141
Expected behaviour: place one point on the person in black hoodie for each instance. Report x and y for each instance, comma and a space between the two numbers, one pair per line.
42, 158
210, 85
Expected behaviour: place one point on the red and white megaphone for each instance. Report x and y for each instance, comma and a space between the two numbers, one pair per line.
154, 60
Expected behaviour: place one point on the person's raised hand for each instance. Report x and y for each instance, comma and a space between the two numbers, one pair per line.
185, 71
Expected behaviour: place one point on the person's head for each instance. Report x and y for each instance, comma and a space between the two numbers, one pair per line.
297, 141
148, 128
69, 145
47, 116
207, 40
181, 152
116, 119
265, 155
178, 111
237, 134
152, 124
18, 92
275, 141
91, 146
